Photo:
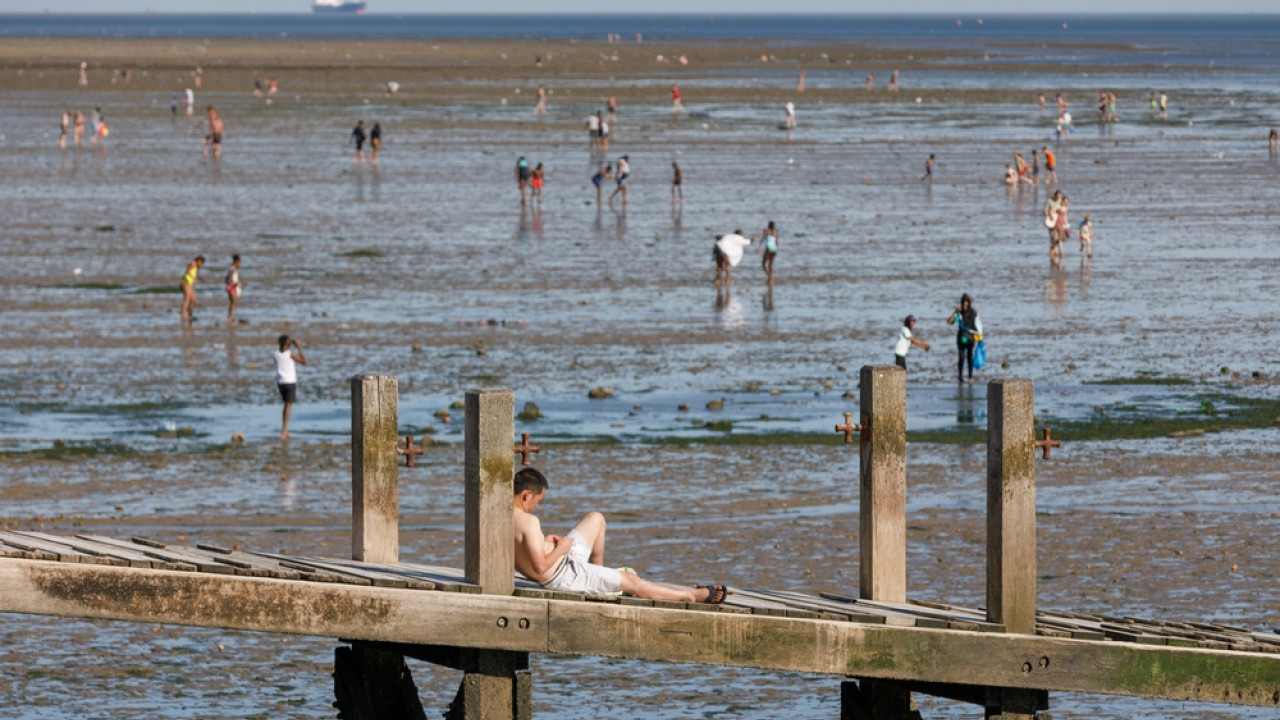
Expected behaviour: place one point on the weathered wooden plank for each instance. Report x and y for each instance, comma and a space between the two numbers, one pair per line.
947, 656
56, 551
490, 469
544, 594
841, 610
176, 554
251, 564
134, 559
882, 548
237, 602
444, 578
378, 575
375, 498
1073, 629
1011, 505
617, 630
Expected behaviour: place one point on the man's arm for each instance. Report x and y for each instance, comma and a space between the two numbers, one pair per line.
298, 357
532, 557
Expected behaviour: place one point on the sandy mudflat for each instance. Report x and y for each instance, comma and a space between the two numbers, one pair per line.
443, 71
390, 269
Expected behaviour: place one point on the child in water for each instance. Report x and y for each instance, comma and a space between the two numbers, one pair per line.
604, 173
536, 184
1086, 237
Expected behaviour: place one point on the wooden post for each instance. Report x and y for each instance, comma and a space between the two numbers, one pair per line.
375, 499
372, 684
490, 538
497, 686
882, 569
883, 497
1011, 505
1011, 525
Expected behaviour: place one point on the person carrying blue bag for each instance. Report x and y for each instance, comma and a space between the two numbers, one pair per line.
968, 335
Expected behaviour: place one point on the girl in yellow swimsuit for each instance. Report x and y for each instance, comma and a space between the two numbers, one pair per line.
188, 287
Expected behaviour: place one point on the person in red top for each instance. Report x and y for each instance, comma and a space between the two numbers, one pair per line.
1050, 165
676, 107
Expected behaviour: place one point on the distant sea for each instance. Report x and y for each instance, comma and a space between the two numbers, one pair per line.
1257, 36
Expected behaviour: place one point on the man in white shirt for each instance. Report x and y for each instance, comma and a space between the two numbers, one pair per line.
287, 376
728, 253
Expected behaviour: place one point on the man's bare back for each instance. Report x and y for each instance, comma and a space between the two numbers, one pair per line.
537, 555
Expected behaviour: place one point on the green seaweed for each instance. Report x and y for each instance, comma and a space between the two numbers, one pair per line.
157, 290
1143, 380
362, 253
88, 286
63, 451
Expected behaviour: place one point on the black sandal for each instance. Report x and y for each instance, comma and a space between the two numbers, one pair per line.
716, 594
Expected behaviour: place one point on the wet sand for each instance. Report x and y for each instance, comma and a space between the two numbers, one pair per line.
1119, 533
390, 270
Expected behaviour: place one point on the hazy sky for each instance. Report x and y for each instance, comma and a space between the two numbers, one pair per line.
942, 7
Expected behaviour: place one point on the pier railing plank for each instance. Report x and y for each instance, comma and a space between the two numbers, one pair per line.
627, 631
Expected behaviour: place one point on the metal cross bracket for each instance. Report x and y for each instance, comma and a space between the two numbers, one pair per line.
848, 428
409, 451
524, 449
1047, 443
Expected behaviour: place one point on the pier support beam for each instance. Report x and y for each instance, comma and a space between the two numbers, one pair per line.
1011, 527
371, 683
882, 547
882, 570
496, 685
375, 495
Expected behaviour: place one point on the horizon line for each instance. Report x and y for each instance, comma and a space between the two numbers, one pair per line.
710, 15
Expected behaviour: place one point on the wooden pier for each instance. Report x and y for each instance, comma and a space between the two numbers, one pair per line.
484, 620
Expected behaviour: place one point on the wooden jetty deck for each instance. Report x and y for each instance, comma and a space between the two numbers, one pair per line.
137, 552
483, 620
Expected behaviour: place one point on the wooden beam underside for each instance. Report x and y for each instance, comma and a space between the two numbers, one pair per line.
641, 633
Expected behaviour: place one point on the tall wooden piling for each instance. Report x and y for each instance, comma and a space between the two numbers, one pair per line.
375, 497
1011, 528
490, 468
883, 478
882, 569
496, 686
370, 682
1011, 505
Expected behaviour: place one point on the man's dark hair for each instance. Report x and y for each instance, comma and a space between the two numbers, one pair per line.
530, 478
284, 342
235, 258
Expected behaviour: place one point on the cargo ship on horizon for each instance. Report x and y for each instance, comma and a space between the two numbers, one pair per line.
345, 7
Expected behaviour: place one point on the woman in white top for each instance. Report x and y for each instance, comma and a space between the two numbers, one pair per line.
233, 286
287, 377
905, 341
